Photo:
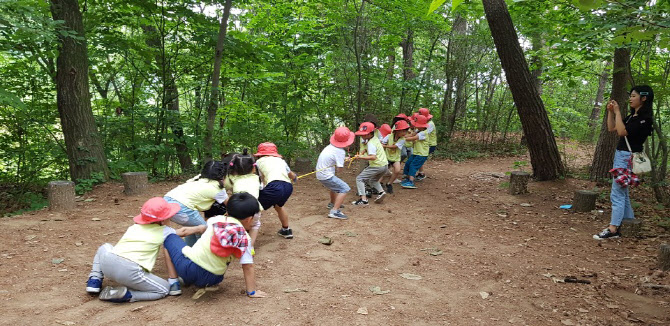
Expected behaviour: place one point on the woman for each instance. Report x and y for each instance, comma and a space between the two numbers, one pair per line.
635, 127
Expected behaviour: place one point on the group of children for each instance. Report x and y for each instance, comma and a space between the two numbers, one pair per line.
227, 231
383, 148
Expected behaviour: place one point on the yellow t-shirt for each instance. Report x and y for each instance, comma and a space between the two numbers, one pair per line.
140, 244
273, 169
196, 194
249, 183
393, 154
381, 154
432, 136
421, 147
201, 252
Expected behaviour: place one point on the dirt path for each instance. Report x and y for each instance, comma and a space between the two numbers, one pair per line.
491, 246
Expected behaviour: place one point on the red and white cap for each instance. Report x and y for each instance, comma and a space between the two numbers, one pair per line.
155, 210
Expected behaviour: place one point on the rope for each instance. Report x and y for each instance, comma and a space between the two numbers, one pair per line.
326, 168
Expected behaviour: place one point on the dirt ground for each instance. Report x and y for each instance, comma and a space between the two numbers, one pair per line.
484, 258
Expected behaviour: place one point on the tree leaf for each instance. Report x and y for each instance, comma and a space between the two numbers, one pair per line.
586, 4
437, 3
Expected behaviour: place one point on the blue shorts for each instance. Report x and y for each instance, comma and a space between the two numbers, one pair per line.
275, 193
336, 185
189, 271
431, 149
413, 164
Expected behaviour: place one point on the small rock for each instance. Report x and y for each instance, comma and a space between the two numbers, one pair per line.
582, 310
526, 205
63, 270
362, 311
567, 322
57, 260
96, 219
78, 244
350, 234
326, 240
378, 290
436, 253
137, 308
88, 200
443, 226
411, 276
484, 295
30, 237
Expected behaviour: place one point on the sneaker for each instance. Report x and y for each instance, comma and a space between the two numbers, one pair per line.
286, 233
175, 289
397, 181
331, 205
389, 188
338, 215
607, 234
93, 285
420, 177
408, 184
360, 202
115, 294
380, 198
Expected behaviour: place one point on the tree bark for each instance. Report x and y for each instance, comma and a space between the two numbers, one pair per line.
600, 94
408, 73
544, 155
84, 148
216, 75
607, 141
459, 67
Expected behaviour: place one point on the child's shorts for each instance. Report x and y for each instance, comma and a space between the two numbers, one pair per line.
275, 193
185, 216
431, 149
189, 271
336, 185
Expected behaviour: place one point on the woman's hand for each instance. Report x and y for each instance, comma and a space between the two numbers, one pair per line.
613, 106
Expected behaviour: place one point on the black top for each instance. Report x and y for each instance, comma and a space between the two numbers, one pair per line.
638, 128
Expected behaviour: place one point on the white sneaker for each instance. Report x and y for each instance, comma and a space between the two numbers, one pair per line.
380, 198
397, 181
338, 215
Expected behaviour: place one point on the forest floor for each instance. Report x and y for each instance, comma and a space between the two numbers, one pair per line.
484, 258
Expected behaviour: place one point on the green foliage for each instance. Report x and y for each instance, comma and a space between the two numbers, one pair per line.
30, 201
519, 165
83, 186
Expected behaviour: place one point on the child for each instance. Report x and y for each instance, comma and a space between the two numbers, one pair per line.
374, 152
130, 262
223, 238
416, 160
276, 176
242, 177
198, 194
394, 143
432, 139
330, 160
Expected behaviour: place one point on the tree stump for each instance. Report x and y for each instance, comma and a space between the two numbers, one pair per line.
303, 165
518, 182
631, 227
584, 200
664, 257
61, 195
134, 183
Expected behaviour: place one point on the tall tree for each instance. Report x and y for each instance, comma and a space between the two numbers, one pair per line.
82, 140
216, 75
544, 155
600, 95
604, 153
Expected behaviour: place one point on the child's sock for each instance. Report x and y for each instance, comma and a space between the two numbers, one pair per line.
333, 211
285, 228
173, 280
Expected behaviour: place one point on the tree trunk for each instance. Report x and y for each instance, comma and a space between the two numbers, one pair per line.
214, 97
600, 94
460, 69
604, 153
536, 61
544, 155
169, 97
408, 73
85, 152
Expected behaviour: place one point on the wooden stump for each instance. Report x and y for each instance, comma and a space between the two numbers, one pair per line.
518, 182
61, 195
134, 183
631, 227
584, 200
303, 165
664, 257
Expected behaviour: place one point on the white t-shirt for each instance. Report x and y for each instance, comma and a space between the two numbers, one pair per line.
372, 149
329, 158
385, 140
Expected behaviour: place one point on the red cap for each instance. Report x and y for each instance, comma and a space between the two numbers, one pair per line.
425, 112
365, 128
402, 116
385, 129
420, 122
267, 149
155, 210
342, 137
401, 125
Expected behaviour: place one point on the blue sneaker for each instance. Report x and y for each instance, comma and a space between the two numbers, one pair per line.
420, 177
338, 215
115, 294
175, 289
408, 184
93, 285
